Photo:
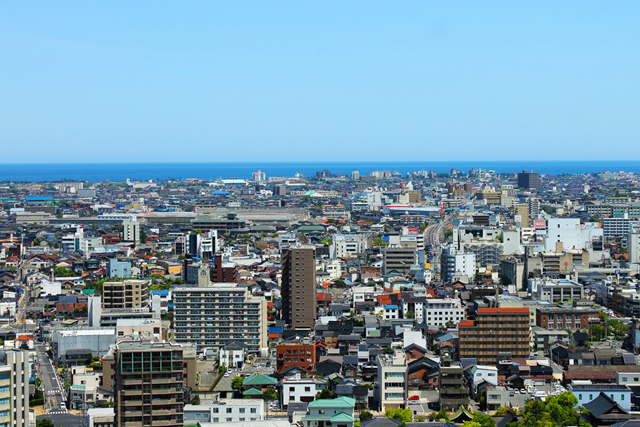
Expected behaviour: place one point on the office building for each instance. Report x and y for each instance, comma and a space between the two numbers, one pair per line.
555, 290
616, 227
563, 318
299, 286
126, 294
299, 353
494, 331
149, 385
529, 180
131, 229
14, 388
219, 314
399, 258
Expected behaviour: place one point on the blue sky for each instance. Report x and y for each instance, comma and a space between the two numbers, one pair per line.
304, 81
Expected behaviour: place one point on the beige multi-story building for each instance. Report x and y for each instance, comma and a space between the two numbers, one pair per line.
14, 388
219, 314
299, 286
392, 380
522, 210
149, 384
126, 294
494, 331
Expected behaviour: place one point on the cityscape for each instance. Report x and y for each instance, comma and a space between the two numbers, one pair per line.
319, 214
361, 299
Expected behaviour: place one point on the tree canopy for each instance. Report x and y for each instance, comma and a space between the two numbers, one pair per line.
404, 415
560, 411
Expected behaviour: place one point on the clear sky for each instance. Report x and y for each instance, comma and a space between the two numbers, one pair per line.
302, 81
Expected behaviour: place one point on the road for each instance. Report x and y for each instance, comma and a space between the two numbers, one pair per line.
51, 386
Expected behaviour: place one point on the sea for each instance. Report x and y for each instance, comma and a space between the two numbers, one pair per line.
97, 172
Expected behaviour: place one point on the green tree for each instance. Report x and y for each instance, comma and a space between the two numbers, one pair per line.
409, 315
195, 400
387, 350
440, 415
404, 415
325, 393
483, 420
236, 383
63, 272
44, 422
270, 394
365, 416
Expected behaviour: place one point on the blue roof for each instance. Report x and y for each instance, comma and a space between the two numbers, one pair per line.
159, 292
391, 307
220, 192
275, 330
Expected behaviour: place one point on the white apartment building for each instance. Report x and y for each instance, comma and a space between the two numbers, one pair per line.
295, 390
348, 245
226, 411
131, 229
219, 314
360, 294
454, 262
439, 312
414, 305
392, 380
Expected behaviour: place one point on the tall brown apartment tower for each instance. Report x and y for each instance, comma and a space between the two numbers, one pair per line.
148, 385
495, 330
299, 286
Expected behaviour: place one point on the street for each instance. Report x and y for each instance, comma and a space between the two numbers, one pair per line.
51, 387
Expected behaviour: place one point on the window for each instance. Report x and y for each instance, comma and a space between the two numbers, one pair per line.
229, 410
253, 410
307, 389
229, 420
242, 410
215, 410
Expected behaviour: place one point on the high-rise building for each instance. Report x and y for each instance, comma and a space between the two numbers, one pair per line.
494, 331
148, 384
529, 180
258, 176
454, 262
14, 388
219, 314
126, 294
131, 229
534, 207
355, 175
299, 286
522, 211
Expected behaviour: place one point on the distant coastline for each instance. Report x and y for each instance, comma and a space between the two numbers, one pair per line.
41, 172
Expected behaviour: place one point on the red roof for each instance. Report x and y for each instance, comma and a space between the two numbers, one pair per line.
324, 296
466, 323
503, 310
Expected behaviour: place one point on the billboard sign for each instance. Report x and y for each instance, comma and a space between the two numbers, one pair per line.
539, 224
